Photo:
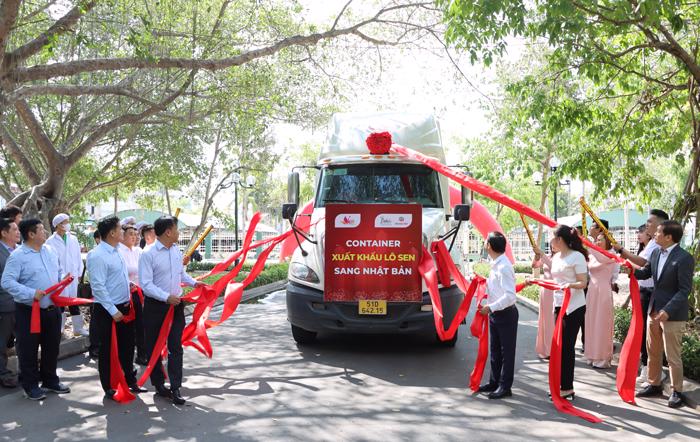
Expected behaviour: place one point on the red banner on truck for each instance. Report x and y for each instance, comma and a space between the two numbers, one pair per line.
372, 252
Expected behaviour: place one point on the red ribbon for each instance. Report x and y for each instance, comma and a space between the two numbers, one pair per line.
429, 272
54, 292
630, 352
116, 375
160, 345
205, 298
561, 404
629, 359
136, 289
479, 329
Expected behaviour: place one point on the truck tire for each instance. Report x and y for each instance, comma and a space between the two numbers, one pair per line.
449, 343
302, 336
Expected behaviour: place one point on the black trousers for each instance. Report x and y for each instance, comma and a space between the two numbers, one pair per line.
645, 297
30, 370
571, 325
503, 330
94, 340
125, 345
583, 324
154, 312
139, 331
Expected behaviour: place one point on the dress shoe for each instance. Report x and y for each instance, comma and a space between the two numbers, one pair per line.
110, 394
675, 400
487, 388
164, 392
177, 397
137, 389
500, 393
57, 388
650, 391
35, 394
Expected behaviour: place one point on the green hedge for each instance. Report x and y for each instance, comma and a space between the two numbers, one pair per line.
623, 318
690, 354
207, 266
523, 268
271, 273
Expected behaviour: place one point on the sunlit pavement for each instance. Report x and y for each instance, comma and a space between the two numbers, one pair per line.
260, 386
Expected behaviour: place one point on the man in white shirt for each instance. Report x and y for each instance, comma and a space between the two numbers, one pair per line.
65, 245
161, 274
503, 318
646, 286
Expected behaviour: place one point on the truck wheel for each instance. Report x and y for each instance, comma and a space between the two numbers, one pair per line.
449, 343
302, 336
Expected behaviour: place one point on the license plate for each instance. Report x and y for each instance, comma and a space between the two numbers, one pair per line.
370, 307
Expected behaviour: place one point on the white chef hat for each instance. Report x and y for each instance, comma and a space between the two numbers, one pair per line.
58, 219
128, 220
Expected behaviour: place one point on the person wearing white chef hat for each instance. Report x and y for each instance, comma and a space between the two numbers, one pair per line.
65, 245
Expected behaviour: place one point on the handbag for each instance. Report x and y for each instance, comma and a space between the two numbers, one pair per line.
84, 289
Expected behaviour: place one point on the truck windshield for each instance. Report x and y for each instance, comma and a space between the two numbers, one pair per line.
379, 183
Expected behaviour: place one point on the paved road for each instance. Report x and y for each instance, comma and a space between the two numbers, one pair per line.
260, 386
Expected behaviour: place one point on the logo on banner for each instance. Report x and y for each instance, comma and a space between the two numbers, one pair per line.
393, 220
347, 220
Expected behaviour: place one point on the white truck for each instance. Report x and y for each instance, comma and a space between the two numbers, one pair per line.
347, 173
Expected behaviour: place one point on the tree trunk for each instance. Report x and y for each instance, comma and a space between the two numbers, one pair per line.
167, 201
544, 193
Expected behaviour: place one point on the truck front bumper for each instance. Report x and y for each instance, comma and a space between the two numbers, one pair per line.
306, 309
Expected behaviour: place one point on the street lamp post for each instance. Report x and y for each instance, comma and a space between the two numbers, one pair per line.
249, 184
554, 164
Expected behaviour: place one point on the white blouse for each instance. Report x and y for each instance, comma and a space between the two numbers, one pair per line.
131, 259
564, 270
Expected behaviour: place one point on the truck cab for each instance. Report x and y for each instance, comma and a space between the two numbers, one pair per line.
347, 173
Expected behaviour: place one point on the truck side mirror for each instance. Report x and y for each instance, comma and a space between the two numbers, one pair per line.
293, 188
461, 212
466, 196
289, 210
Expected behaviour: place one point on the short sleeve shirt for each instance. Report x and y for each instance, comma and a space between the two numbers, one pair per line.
564, 270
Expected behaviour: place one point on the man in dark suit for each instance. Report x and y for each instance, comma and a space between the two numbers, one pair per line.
671, 267
9, 237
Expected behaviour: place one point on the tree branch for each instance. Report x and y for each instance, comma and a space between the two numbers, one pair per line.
96, 136
75, 91
91, 182
8, 16
63, 25
19, 157
42, 141
45, 72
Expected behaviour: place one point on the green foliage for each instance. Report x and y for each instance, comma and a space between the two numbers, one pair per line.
482, 269
610, 95
523, 268
623, 318
690, 355
271, 273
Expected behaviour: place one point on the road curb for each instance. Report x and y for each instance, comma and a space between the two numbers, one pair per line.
691, 388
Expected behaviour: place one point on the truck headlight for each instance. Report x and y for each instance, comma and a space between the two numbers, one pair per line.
303, 272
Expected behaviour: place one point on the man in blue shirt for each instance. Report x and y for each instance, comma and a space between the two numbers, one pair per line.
109, 281
161, 274
30, 270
